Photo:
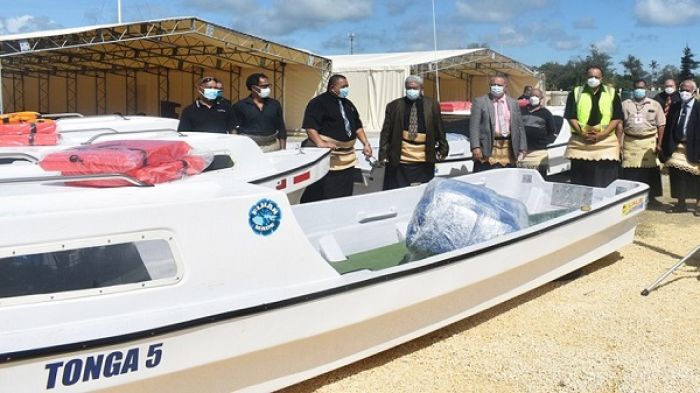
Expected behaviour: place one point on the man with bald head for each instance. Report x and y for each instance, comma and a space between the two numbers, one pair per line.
496, 130
681, 148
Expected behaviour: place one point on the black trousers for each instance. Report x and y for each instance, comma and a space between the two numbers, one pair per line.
485, 166
650, 176
594, 173
335, 184
684, 184
404, 175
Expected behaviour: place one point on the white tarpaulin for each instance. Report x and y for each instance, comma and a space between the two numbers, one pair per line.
377, 79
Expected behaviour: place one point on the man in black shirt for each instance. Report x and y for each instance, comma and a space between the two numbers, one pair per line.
208, 113
540, 131
259, 116
332, 121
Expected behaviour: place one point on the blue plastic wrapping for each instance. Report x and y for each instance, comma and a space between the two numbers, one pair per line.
453, 214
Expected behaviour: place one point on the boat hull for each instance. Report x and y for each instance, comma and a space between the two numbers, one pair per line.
281, 343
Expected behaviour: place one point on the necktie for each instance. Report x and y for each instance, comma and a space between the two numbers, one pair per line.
680, 130
501, 116
667, 105
413, 121
348, 131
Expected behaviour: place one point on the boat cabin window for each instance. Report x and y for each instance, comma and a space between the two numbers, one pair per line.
86, 268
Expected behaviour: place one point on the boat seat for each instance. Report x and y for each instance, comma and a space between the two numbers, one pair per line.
330, 249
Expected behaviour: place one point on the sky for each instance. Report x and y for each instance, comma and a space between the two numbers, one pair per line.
530, 31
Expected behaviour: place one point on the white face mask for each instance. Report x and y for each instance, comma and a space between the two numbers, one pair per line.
670, 90
497, 90
534, 101
593, 82
686, 95
264, 93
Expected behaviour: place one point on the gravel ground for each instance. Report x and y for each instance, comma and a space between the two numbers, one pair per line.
592, 334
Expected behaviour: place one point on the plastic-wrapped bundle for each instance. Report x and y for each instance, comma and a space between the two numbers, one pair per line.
151, 161
454, 214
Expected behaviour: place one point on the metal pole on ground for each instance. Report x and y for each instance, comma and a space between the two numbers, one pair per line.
658, 281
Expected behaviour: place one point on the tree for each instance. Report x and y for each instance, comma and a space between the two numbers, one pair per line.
555, 74
654, 66
477, 45
668, 72
688, 64
633, 70
597, 58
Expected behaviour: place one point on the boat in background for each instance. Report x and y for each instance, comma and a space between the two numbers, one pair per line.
212, 284
455, 116
290, 171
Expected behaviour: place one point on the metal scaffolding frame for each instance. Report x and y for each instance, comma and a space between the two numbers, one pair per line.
71, 91
101, 93
18, 91
183, 44
43, 92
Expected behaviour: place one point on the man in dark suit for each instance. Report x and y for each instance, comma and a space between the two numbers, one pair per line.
412, 137
681, 148
669, 96
496, 130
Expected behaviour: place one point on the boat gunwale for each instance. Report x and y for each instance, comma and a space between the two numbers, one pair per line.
290, 171
55, 350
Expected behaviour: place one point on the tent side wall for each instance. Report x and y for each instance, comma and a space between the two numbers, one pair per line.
110, 93
372, 90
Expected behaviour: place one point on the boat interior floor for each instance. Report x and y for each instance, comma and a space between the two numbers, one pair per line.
395, 254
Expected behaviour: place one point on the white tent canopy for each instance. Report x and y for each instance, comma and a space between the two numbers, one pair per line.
377, 79
147, 67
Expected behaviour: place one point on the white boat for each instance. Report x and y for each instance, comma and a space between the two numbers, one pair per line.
115, 124
289, 170
212, 284
459, 160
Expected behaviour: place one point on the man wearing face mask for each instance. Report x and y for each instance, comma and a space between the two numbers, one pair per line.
643, 127
332, 121
593, 112
208, 113
681, 147
496, 131
412, 137
669, 96
540, 130
260, 117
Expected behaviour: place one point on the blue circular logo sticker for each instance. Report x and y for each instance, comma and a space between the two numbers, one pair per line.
264, 217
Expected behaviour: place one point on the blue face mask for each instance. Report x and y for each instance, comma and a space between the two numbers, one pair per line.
412, 94
343, 93
210, 94
639, 93
219, 93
